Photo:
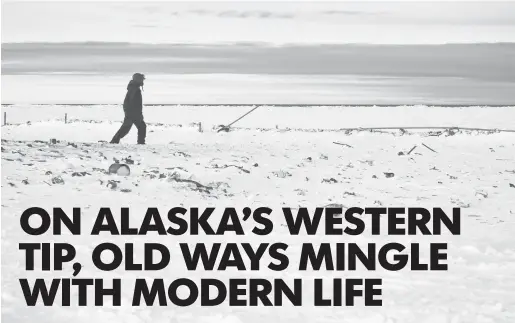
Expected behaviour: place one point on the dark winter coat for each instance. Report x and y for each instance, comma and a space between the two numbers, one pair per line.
133, 103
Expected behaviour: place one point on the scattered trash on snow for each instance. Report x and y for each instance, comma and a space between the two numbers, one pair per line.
119, 169
428, 148
112, 184
483, 194
128, 161
329, 180
342, 144
282, 174
57, 180
80, 174
216, 166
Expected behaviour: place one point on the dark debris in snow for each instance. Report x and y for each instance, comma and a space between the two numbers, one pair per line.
329, 180
57, 180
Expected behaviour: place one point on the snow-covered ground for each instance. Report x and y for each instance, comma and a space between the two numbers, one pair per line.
275, 168
266, 116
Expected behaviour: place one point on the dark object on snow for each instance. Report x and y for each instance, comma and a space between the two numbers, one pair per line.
112, 185
330, 180
409, 152
227, 166
57, 180
226, 128
119, 169
339, 143
223, 128
511, 185
199, 187
128, 161
80, 174
133, 109
428, 148
53, 141
389, 175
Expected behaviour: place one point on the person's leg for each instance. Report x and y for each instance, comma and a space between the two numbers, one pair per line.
123, 131
142, 130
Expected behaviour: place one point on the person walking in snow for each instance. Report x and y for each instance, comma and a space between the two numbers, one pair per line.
133, 109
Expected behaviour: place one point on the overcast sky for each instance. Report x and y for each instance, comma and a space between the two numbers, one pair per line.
271, 22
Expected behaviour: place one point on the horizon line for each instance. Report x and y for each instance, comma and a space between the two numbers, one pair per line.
455, 105
248, 43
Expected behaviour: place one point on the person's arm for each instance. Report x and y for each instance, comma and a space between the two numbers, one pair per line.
135, 101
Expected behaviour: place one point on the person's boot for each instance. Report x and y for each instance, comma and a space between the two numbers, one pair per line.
142, 135
115, 140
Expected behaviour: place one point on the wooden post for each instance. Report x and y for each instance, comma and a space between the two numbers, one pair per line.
66, 118
200, 127
5, 118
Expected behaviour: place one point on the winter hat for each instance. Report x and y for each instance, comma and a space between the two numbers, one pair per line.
138, 77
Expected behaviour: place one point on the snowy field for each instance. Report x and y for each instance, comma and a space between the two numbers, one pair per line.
293, 166
90, 118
